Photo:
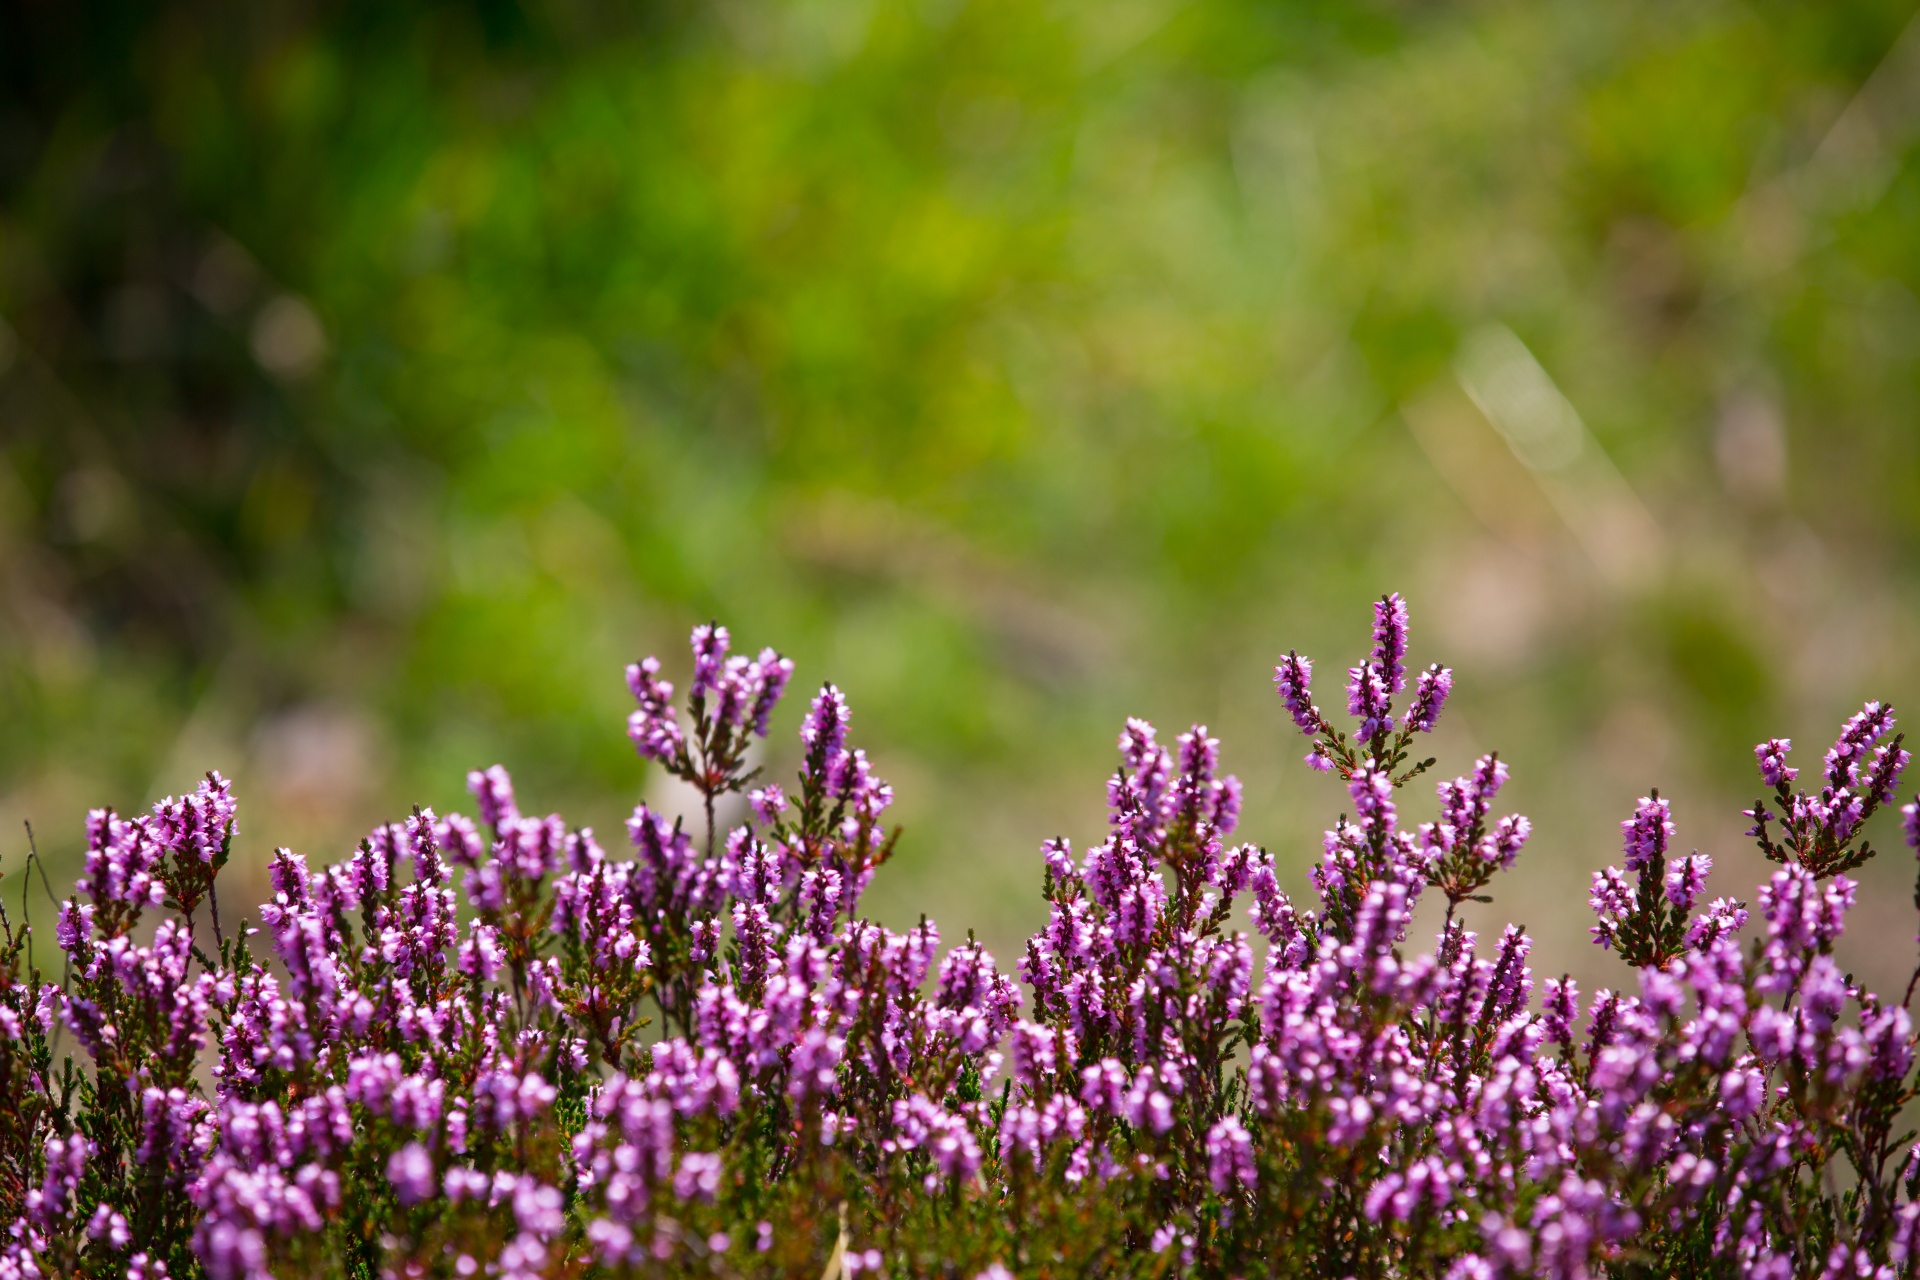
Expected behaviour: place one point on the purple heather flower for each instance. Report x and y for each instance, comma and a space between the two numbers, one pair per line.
1612, 900
768, 803
66, 1162
1723, 918
1390, 641
410, 1170
1883, 777
123, 862
1772, 755
1368, 700
1503, 844
654, 728
1801, 913
1647, 833
1372, 792
710, 644
1199, 753
539, 1209
866, 795
1230, 1160
744, 693
109, 1226
1148, 770
1429, 698
1687, 880
1560, 1006
825, 728
1293, 678
396, 1028
1742, 1092
816, 1058
493, 791
1399, 1195
771, 675
195, 828
824, 734
1865, 728
1887, 1035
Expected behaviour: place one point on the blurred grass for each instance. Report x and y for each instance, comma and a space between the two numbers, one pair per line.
376, 380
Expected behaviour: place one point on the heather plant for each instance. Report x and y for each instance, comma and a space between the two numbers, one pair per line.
488, 1046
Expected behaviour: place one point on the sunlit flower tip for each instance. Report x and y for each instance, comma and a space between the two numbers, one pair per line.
710, 643
493, 794
1390, 640
1429, 698
1647, 833
1293, 679
644, 682
824, 731
1772, 758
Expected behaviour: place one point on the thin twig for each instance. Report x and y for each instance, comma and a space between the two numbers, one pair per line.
66, 961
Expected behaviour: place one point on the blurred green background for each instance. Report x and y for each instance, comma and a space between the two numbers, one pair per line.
376, 380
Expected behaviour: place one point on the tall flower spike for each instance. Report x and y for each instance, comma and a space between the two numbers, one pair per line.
1390, 640
825, 728
1293, 679
1648, 832
710, 643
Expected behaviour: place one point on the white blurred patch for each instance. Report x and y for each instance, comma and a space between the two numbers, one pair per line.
1634, 747
317, 761
1750, 447
288, 340
1492, 602
225, 278
1520, 400
95, 503
1544, 431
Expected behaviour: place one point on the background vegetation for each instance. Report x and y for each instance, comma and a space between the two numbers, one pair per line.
376, 379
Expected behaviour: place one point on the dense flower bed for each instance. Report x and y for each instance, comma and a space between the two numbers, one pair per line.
698, 1057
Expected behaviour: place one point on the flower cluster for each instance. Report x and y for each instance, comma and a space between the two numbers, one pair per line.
488, 1046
